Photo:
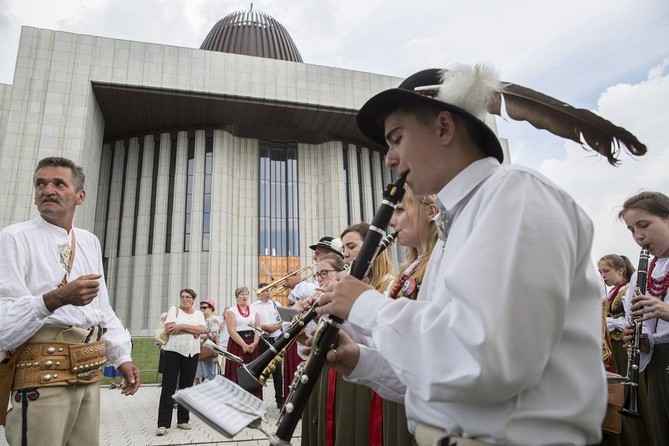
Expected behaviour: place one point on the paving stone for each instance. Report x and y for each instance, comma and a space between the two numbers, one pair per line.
132, 420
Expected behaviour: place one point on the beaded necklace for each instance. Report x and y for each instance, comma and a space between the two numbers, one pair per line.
242, 313
656, 287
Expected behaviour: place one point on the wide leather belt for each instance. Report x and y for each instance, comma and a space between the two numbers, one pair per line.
47, 363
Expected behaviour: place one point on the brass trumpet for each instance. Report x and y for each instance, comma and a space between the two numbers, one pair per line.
280, 285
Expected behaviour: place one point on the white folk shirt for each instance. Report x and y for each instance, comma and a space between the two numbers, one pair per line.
503, 343
30, 266
657, 329
242, 322
302, 291
268, 314
186, 344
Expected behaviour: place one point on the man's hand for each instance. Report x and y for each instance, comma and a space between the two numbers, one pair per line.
132, 378
338, 298
345, 356
81, 291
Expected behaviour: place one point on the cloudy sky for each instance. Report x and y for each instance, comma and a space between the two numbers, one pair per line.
609, 56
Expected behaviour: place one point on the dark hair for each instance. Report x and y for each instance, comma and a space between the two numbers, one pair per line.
78, 176
262, 284
655, 203
619, 261
188, 291
427, 113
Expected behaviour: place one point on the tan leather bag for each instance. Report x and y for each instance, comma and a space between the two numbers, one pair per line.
7, 369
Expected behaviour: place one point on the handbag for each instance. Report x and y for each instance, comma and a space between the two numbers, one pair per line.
160, 335
206, 353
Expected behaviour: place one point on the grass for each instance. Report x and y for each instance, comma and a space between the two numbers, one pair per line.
145, 355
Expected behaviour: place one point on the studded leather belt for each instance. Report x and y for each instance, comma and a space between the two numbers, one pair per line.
47, 363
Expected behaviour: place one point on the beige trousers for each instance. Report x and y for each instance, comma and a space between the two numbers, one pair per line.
60, 415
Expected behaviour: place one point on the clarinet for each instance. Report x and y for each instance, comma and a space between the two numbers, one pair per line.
631, 404
328, 330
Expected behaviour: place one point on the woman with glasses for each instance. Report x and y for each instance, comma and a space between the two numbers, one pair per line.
243, 340
313, 432
185, 324
206, 367
343, 416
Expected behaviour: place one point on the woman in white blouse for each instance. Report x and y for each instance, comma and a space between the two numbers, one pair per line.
185, 324
243, 340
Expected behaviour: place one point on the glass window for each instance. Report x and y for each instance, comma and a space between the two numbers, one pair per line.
208, 169
278, 193
190, 173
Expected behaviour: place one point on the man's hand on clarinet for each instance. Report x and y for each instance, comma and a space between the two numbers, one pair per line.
344, 357
338, 298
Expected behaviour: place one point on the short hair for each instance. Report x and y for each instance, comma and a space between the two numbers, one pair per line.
655, 203
188, 291
262, 284
425, 113
240, 290
78, 176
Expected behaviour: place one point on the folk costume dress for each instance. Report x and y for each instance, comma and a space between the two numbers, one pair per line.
634, 430
655, 362
246, 332
394, 420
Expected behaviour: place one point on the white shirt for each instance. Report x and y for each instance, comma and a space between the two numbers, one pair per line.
242, 322
30, 266
302, 291
503, 343
657, 329
186, 344
268, 314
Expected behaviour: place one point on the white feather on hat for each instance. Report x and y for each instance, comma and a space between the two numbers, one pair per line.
469, 87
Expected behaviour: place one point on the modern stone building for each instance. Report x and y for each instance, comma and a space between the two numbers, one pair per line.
201, 164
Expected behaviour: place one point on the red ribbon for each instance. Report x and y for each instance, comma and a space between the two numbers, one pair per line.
330, 418
376, 420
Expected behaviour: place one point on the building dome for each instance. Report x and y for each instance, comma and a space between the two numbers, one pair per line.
253, 34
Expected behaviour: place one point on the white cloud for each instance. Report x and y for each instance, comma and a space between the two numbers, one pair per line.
600, 188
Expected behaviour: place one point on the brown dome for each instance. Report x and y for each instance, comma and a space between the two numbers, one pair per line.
253, 34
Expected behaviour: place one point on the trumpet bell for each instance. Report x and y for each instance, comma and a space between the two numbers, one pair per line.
280, 286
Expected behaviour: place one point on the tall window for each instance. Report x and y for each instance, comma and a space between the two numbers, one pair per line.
189, 192
278, 199
208, 169
170, 195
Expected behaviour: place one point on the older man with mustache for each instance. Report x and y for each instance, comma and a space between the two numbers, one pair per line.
58, 327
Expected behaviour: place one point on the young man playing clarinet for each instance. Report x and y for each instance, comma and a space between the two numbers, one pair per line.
502, 345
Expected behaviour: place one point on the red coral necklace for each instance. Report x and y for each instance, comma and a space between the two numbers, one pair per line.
656, 287
242, 313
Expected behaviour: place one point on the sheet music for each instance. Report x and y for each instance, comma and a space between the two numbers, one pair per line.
222, 404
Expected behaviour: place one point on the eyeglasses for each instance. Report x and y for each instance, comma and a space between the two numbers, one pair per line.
204, 307
324, 273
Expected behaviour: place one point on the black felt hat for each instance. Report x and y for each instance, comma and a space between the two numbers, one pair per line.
419, 88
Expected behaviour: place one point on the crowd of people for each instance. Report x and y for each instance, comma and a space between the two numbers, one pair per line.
493, 331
